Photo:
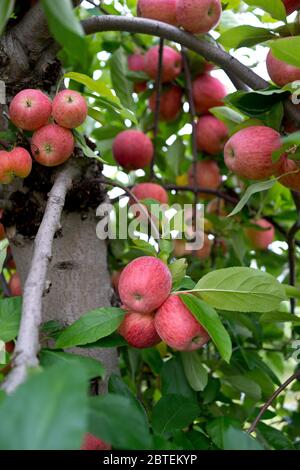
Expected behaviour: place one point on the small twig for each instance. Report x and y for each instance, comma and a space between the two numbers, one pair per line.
101, 8
291, 246
215, 192
158, 89
277, 392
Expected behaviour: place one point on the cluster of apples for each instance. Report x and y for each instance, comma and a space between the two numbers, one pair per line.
52, 142
153, 314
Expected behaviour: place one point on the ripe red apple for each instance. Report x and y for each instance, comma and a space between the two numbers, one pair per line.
178, 327
136, 63
132, 149
92, 442
212, 134
172, 63
10, 347
198, 16
52, 145
15, 285
144, 285
69, 109
280, 72
139, 331
160, 10
18, 162
291, 181
30, 109
208, 176
260, 239
208, 92
291, 5
150, 191
248, 153
170, 103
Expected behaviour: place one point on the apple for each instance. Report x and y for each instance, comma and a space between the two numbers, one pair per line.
208, 176
10, 262
30, 109
150, 191
91, 442
198, 16
179, 248
260, 239
69, 109
280, 72
248, 153
15, 285
170, 103
136, 63
139, 331
217, 207
18, 162
171, 67
52, 145
132, 149
144, 284
160, 10
208, 92
291, 5
177, 327
212, 134
291, 181
10, 347
2, 232
205, 251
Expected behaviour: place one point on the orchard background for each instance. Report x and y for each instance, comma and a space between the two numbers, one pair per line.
67, 368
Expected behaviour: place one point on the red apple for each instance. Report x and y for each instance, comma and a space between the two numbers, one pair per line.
280, 72
15, 285
172, 63
132, 149
18, 162
92, 442
69, 109
208, 92
212, 134
150, 191
248, 153
180, 248
160, 10
205, 251
30, 109
139, 331
10, 347
52, 145
208, 176
144, 285
291, 181
177, 327
291, 5
260, 239
136, 63
198, 16
170, 103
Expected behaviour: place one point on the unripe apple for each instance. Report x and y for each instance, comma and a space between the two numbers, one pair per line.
150, 191
205, 251
291, 181
260, 239
18, 162
291, 5
171, 60
15, 285
198, 16
30, 109
160, 10
139, 331
248, 153
132, 149
212, 134
92, 442
69, 109
280, 72
170, 103
178, 327
208, 176
144, 285
208, 92
52, 145
136, 63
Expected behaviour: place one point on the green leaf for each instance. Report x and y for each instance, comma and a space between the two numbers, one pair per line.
173, 412
275, 438
195, 372
216, 429
274, 7
209, 319
173, 379
10, 316
241, 289
287, 49
98, 86
90, 327
235, 439
173, 157
96, 115
229, 116
117, 386
84, 147
279, 317
256, 103
178, 270
291, 141
3, 252
245, 36
91, 367
122, 86
66, 28
253, 189
6, 9
48, 412
117, 420
145, 247
244, 385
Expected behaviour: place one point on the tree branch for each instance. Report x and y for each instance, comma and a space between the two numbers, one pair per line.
158, 88
27, 346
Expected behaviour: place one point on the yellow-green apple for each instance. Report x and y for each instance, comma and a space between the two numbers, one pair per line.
15, 285
171, 63
52, 145
139, 331
136, 63
30, 109
91, 442
212, 134
261, 237
208, 176
160, 10
132, 149
198, 16
18, 162
144, 284
150, 191
170, 103
69, 109
280, 72
177, 327
248, 153
208, 92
